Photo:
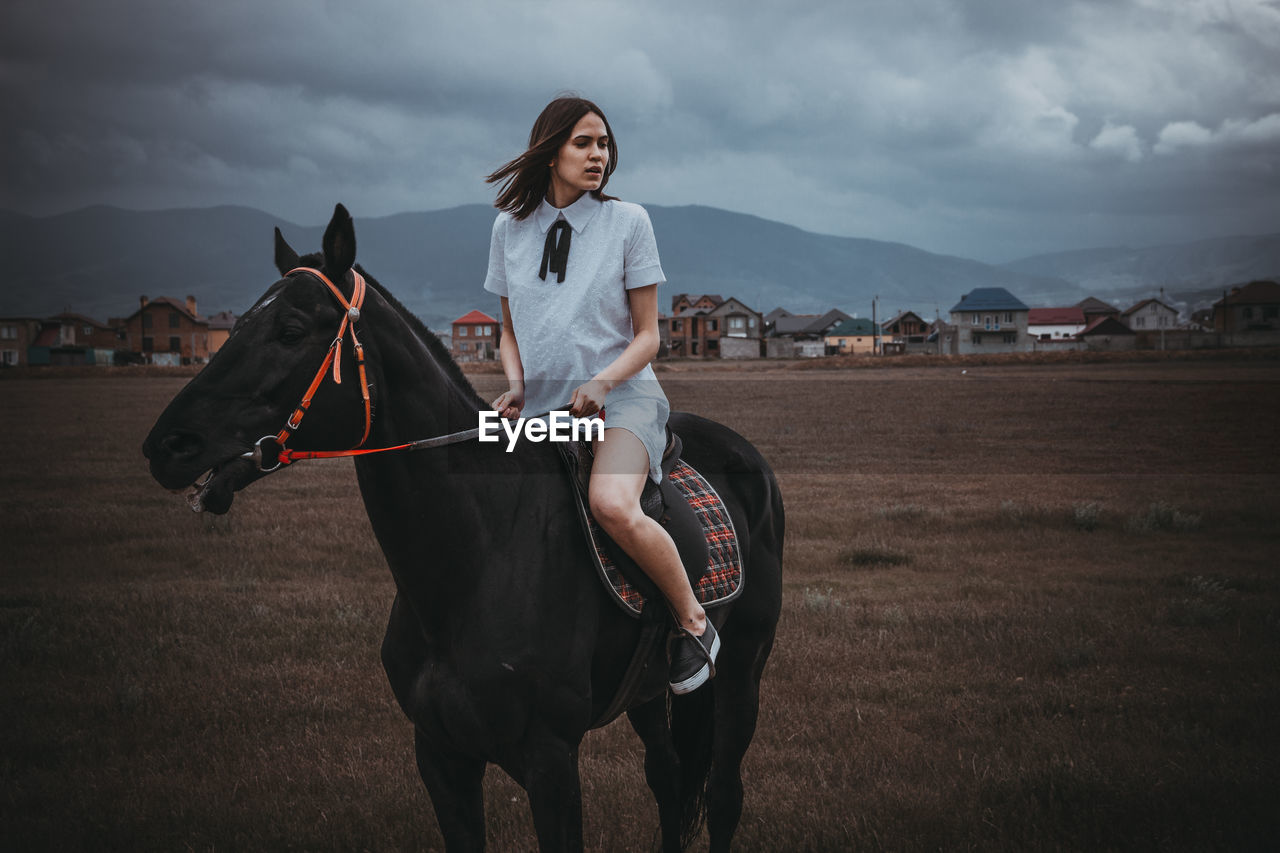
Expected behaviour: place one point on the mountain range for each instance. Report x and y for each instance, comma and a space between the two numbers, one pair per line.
98, 261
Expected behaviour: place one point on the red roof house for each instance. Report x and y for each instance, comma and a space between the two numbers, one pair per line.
475, 337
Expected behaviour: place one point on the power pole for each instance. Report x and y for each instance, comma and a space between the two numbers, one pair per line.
875, 330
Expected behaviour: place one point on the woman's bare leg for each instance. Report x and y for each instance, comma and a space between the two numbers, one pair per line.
617, 478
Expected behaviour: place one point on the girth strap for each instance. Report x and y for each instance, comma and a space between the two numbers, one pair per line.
652, 635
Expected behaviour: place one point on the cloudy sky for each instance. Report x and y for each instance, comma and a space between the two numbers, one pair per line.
990, 129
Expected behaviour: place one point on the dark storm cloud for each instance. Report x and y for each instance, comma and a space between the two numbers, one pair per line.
989, 128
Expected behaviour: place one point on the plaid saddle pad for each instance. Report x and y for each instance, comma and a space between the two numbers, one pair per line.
723, 579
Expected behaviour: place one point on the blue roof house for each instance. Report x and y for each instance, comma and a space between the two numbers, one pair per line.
990, 319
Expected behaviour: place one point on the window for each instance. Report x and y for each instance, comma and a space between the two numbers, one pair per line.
462, 331
977, 339
464, 346
1139, 321
712, 325
86, 330
752, 322
9, 356
986, 322
9, 333
1008, 316
737, 323
677, 325
148, 344
1010, 339
175, 344
976, 321
175, 320
486, 331
1248, 312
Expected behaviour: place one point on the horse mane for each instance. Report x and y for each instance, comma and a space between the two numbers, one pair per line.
434, 345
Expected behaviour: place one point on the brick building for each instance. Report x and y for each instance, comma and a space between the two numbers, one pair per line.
475, 337
167, 331
17, 334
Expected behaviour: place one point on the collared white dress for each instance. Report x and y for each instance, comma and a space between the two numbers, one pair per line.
569, 331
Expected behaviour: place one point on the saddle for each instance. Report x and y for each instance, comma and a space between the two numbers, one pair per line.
692, 513
699, 523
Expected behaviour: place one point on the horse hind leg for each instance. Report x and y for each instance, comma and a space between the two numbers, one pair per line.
454, 784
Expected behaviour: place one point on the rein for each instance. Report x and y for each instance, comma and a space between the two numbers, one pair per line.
273, 446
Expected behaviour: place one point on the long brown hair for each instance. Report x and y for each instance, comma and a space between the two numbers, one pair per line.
526, 179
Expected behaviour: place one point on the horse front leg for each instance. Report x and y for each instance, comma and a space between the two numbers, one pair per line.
550, 777
661, 767
737, 693
454, 784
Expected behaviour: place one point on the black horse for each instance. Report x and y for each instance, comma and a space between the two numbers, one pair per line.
502, 646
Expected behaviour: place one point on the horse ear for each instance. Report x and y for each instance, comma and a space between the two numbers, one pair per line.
339, 243
286, 257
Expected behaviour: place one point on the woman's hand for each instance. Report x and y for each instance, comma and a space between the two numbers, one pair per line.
510, 402
588, 399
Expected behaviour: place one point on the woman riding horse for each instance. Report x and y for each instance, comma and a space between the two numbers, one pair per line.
585, 337
502, 646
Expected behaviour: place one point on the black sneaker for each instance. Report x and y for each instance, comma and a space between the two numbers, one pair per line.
693, 659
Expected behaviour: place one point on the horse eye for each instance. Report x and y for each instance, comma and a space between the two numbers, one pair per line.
292, 334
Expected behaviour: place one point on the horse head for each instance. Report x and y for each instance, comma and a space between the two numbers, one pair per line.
249, 394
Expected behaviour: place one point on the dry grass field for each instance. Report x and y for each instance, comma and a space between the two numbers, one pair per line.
1027, 607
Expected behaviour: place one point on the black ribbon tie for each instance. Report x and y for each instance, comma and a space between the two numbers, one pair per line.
556, 250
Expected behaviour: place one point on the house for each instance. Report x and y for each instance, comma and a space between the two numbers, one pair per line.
905, 327
475, 337
804, 325
906, 332
739, 330
1150, 315
1107, 334
1254, 307
990, 319
1055, 325
689, 331
710, 326
166, 331
74, 339
220, 326
17, 334
1094, 308
855, 336
790, 335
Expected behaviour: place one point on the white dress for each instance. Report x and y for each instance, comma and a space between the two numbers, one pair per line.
569, 331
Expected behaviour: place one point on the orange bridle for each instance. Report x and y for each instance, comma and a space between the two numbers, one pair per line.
276, 452
351, 314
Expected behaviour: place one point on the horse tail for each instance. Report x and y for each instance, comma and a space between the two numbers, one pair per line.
692, 718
